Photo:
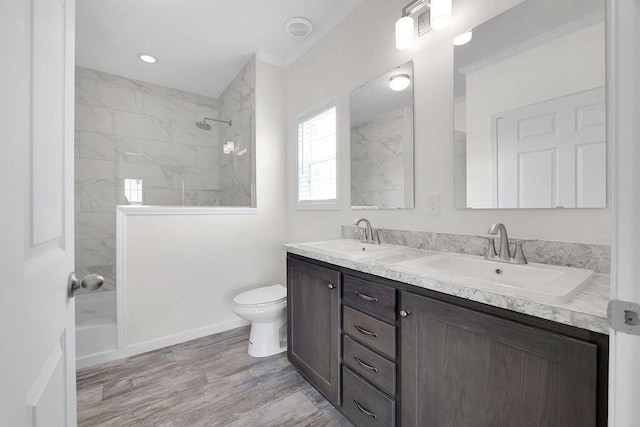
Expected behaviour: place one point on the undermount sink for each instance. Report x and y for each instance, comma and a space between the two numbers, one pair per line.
542, 282
352, 249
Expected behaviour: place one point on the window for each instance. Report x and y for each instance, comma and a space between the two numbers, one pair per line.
317, 181
133, 191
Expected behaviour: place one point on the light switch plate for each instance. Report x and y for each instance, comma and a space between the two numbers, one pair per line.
433, 203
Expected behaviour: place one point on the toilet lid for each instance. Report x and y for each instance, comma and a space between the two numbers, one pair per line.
260, 296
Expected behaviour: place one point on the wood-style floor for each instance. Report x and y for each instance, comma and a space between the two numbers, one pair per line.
210, 381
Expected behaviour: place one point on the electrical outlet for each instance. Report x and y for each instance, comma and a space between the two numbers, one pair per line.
433, 203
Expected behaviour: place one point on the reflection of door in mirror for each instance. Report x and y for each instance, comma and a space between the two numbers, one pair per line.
530, 75
552, 154
381, 128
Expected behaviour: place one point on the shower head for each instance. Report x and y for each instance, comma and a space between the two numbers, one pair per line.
203, 125
206, 126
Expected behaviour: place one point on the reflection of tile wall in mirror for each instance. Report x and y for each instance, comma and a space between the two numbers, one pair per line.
382, 144
529, 58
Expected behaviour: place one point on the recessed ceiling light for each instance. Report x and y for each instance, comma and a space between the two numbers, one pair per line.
147, 58
399, 82
298, 26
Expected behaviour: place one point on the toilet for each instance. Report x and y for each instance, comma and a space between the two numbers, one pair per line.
266, 309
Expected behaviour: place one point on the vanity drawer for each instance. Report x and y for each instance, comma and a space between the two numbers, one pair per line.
373, 332
363, 404
370, 297
370, 365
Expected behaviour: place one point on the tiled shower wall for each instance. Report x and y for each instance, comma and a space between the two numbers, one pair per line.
129, 129
377, 160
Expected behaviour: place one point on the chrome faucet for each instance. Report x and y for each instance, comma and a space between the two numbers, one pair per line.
504, 254
370, 235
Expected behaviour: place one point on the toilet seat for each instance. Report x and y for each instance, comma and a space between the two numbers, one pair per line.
262, 296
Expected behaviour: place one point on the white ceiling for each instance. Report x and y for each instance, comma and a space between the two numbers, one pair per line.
200, 44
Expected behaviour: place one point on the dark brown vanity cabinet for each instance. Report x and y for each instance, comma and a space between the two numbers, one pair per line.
313, 328
461, 367
391, 354
368, 352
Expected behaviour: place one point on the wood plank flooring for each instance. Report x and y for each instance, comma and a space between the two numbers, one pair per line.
211, 381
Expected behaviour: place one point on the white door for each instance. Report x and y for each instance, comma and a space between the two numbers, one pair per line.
624, 358
37, 357
553, 153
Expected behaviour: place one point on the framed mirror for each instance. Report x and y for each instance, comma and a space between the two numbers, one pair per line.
381, 129
530, 117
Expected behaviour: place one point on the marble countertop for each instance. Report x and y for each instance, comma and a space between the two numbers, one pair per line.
588, 310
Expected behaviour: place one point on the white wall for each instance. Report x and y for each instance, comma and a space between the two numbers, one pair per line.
183, 270
363, 47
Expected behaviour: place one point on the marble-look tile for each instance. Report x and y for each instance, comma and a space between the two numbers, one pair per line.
98, 252
94, 172
209, 101
167, 153
205, 110
239, 96
96, 92
127, 99
209, 198
141, 86
208, 158
174, 109
196, 179
152, 176
377, 161
182, 95
92, 225
187, 133
130, 150
91, 145
95, 198
82, 72
142, 126
162, 197
94, 119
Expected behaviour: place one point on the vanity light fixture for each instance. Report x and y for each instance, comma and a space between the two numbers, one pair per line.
437, 16
463, 38
147, 58
399, 82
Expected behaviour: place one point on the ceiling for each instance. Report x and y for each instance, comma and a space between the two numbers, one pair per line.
200, 44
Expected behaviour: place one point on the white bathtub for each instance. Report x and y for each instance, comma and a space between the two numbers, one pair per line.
96, 330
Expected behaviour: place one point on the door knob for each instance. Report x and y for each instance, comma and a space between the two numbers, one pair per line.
331, 286
404, 313
90, 282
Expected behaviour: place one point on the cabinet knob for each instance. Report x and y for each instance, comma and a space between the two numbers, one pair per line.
331, 286
404, 313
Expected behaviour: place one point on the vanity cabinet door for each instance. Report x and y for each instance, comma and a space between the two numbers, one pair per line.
313, 325
460, 367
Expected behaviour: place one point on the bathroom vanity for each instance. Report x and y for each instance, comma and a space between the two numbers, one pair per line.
387, 349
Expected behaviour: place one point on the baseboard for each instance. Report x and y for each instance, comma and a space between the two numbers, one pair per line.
155, 344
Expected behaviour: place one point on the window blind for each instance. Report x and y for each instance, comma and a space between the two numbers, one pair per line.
317, 157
